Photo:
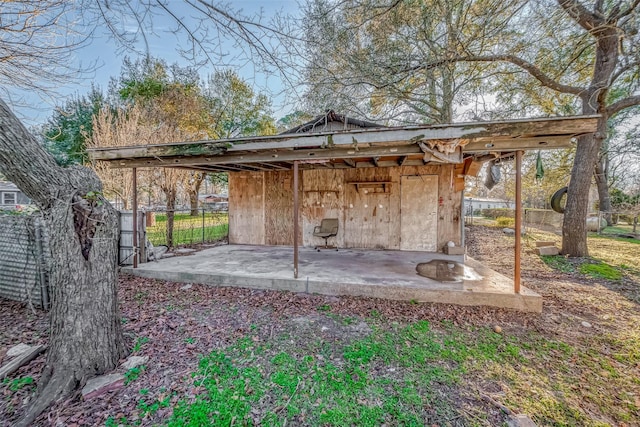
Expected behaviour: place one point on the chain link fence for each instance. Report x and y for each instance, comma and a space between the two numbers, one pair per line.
24, 246
206, 226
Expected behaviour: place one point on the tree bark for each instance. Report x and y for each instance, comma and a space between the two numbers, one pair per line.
197, 179
602, 182
193, 200
85, 331
574, 228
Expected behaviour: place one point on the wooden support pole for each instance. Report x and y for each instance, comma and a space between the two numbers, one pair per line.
134, 216
518, 245
295, 219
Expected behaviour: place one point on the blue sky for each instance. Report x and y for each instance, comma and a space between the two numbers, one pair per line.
108, 56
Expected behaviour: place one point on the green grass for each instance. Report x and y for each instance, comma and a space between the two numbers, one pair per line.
133, 374
558, 262
600, 270
140, 341
18, 383
409, 375
614, 237
556, 382
189, 229
389, 377
593, 268
189, 235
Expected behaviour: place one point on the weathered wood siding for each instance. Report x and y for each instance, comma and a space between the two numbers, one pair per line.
246, 208
419, 207
449, 201
261, 206
279, 207
371, 208
322, 197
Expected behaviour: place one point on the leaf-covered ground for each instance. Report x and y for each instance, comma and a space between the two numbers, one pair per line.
224, 356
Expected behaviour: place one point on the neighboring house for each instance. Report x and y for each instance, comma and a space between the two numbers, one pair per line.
388, 187
216, 202
477, 204
11, 196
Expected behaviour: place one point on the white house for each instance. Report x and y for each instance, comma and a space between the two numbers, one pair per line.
476, 204
11, 196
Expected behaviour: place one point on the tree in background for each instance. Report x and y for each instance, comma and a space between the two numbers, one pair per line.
66, 132
560, 55
584, 59
355, 49
173, 109
235, 108
537, 191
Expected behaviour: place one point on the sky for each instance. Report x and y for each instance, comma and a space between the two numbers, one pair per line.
34, 109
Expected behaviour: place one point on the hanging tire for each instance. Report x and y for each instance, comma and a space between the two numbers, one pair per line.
556, 200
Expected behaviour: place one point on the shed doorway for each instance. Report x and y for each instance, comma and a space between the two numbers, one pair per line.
419, 213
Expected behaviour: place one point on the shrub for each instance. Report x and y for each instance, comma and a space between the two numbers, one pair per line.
503, 221
498, 212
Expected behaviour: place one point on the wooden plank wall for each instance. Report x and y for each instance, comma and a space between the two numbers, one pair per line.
279, 207
448, 201
246, 208
370, 214
261, 206
322, 197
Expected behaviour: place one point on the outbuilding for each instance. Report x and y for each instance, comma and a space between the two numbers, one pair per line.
389, 188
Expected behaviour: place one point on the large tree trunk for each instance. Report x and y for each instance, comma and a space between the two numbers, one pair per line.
197, 178
193, 200
85, 335
574, 227
602, 182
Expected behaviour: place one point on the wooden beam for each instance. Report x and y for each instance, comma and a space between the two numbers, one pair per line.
413, 162
134, 215
365, 165
349, 162
385, 163
402, 160
295, 219
274, 166
514, 144
268, 157
225, 168
518, 236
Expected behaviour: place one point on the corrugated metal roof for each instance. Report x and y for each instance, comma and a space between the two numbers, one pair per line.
332, 121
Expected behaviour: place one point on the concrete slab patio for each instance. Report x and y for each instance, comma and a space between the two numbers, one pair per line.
370, 273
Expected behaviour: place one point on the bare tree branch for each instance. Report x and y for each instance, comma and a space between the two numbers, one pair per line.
532, 69
618, 106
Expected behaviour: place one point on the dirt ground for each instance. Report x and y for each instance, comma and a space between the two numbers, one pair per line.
174, 325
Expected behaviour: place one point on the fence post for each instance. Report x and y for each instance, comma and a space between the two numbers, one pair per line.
203, 224
599, 222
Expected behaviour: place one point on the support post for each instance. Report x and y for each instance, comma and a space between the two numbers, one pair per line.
295, 219
518, 235
134, 216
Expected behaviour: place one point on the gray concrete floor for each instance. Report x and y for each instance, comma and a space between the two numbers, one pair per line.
371, 273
